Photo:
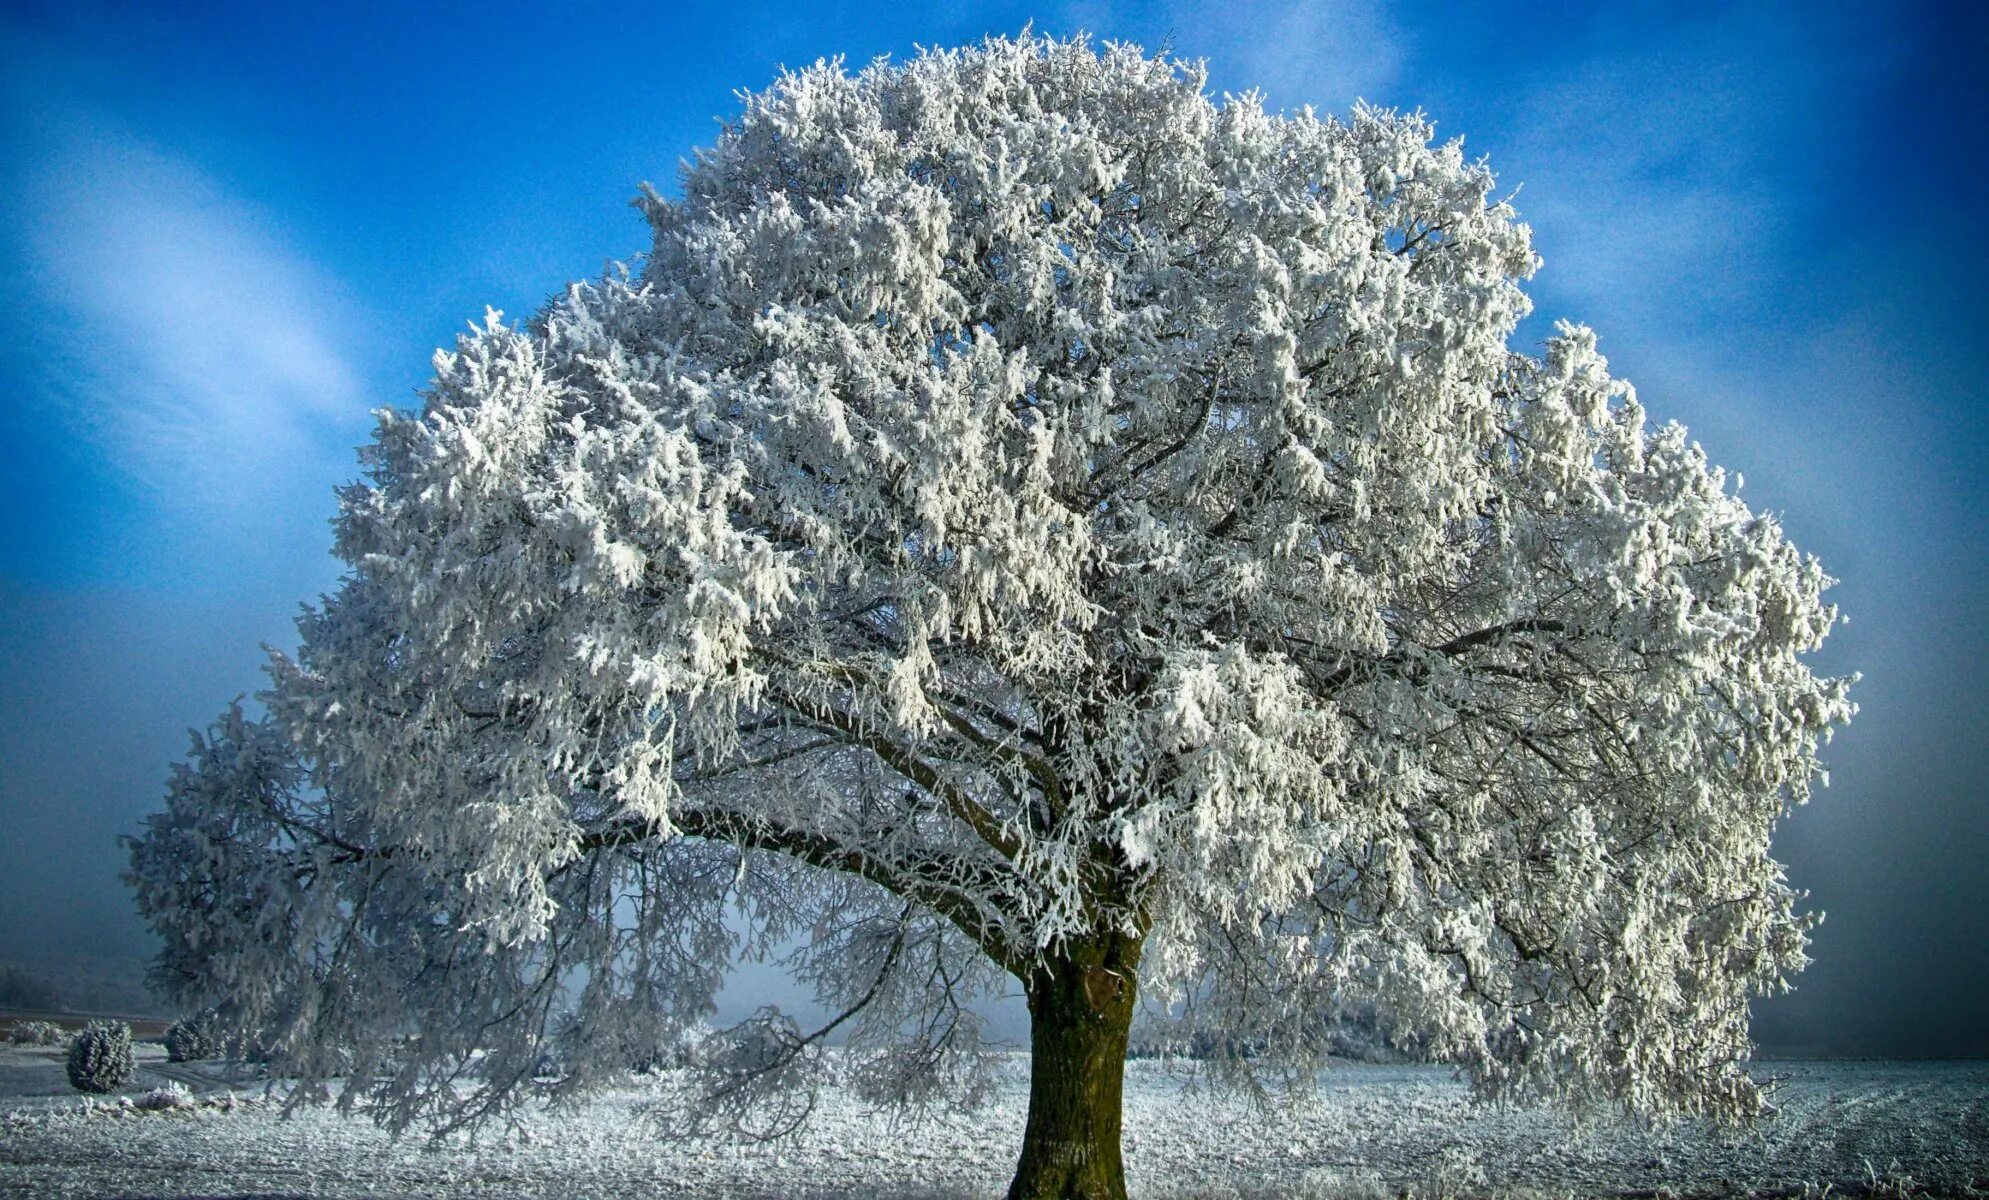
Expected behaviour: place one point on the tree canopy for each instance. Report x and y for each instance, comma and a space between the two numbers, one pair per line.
1023, 518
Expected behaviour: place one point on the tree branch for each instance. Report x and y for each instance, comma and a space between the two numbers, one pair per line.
902, 879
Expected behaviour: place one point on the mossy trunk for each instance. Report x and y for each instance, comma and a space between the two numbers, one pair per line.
1081, 1011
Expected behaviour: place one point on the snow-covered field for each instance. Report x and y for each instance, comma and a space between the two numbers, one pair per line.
1374, 1131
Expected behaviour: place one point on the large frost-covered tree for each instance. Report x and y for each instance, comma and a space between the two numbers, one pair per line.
1023, 521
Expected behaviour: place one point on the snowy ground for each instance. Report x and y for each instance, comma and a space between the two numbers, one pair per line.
1375, 1131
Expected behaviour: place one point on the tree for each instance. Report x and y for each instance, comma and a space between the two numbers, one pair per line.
1023, 519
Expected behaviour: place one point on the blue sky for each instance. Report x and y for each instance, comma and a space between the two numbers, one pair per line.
233, 230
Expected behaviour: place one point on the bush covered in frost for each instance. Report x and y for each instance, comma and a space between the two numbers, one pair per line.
171, 1098
35, 1033
193, 1037
100, 1057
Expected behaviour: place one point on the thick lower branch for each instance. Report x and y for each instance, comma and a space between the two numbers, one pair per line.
923, 883
912, 767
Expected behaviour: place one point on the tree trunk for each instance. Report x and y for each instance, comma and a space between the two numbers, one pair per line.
1080, 1010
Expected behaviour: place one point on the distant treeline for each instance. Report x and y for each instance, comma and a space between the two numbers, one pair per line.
1357, 1034
30, 990
83, 983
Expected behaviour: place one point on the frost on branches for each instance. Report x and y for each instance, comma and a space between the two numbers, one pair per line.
1023, 518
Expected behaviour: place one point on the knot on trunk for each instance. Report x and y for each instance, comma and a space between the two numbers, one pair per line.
1102, 987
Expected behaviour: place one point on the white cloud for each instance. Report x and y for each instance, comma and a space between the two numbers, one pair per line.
178, 329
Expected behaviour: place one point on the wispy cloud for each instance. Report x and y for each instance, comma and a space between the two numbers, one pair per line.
1672, 166
1326, 53
176, 327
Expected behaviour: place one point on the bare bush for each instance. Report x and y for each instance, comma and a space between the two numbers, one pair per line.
35, 1033
171, 1098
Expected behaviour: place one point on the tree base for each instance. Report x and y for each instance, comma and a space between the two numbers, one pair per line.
1081, 1011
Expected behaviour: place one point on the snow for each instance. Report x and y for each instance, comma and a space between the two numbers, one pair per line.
1372, 1129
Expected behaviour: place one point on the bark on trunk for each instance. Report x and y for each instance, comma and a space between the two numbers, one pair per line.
1081, 1010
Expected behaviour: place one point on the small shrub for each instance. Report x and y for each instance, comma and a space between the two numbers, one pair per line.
171, 1098
35, 1033
191, 1038
100, 1057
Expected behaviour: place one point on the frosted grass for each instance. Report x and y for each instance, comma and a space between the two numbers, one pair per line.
1373, 1131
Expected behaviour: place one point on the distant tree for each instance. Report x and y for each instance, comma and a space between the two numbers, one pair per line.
1023, 519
